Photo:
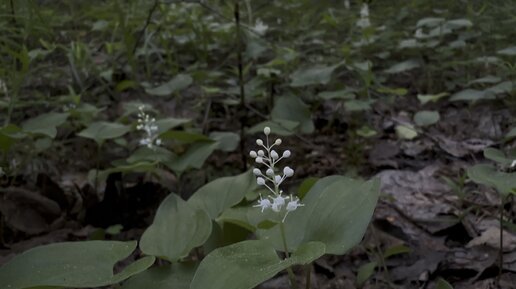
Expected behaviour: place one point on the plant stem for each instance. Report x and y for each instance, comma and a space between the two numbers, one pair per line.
291, 275
308, 276
241, 109
500, 251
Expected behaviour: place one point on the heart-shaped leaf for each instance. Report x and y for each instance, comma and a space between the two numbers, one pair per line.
504, 183
292, 108
45, 124
174, 276
177, 229
180, 82
318, 74
102, 131
337, 212
246, 264
222, 193
71, 264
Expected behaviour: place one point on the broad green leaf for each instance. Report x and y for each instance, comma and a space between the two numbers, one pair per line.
393, 91
510, 51
193, 158
339, 94
430, 22
185, 136
426, 117
406, 131
458, 23
486, 79
178, 227
396, 250
71, 264
318, 74
222, 193
280, 127
173, 276
337, 212
443, 284
470, 95
227, 141
403, 66
425, 98
247, 264
364, 272
165, 124
9, 135
305, 186
102, 131
180, 82
145, 154
499, 156
504, 183
358, 105
45, 124
292, 108
511, 133
503, 87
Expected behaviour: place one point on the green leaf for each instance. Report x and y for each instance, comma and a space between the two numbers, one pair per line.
180, 82
403, 66
185, 136
45, 124
458, 23
9, 135
499, 156
193, 158
156, 154
470, 95
173, 276
222, 193
425, 98
358, 105
337, 211
504, 183
364, 272
165, 124
247, 264
71, 264
426, 117
292, 108
406, 131
484, 80
443, 284
102, 131
430, 22
396, 250
509, 51
280, 127
227, 141
339, 94
318, 74
511, 133
177, 229
305, 186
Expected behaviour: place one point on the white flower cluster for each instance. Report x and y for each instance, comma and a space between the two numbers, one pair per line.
148, 125
364, 21
260, 28
269, 158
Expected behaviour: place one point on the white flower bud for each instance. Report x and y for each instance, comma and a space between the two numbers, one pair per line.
277, 142
261, 153
277, 179
288, 172
260, 181
270, 172
257, 172
286, 154
254, 155
266, 130
259, 160
259, 142
274, 155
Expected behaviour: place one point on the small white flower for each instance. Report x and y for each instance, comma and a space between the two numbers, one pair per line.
288, 172
260, 27
253, 154
278, 202
277, 142
274, 155
270, 172
292, 205
261, 153
286, 154
259, 142
278, 180
260, 181
259, 160
267, 130
257, 172
263, 203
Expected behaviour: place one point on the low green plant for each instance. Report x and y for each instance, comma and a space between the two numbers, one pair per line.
330, 218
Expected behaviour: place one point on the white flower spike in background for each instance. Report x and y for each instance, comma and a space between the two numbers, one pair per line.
271, 179
148, 125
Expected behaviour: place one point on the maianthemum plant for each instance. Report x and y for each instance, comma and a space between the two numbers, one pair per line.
248, 227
